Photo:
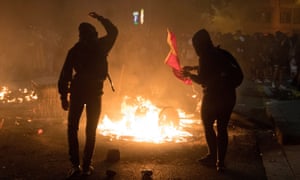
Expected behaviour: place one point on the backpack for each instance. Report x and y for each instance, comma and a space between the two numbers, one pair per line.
230, 71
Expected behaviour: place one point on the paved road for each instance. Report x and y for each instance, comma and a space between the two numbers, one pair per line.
27, 153
36, 149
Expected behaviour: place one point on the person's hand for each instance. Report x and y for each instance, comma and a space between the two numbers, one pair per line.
185, 73
65, 104
188, 68
95, 15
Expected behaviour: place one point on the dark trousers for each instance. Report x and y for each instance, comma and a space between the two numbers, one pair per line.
217, 107
93, 109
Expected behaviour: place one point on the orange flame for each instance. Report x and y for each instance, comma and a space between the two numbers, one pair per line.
144, 122
19, 96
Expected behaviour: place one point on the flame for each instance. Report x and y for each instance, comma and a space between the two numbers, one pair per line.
141, 121
17, 96
3, 92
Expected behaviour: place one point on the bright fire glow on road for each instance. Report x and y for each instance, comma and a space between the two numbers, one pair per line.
142, 121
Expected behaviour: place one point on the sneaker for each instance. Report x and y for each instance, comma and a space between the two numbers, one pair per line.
88, 171
75, 171
208, 160
220, 167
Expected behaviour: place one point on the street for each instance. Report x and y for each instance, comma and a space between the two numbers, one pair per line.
36, 149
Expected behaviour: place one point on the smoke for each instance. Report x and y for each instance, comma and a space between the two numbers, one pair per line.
233, 15
36, 36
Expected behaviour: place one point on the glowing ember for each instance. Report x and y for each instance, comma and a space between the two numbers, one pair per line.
144, 122
18, 96
3, 92
40, 131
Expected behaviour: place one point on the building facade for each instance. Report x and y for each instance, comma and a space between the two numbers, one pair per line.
275, 15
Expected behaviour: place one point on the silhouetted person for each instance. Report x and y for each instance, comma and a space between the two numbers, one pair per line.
219, 94
80, 85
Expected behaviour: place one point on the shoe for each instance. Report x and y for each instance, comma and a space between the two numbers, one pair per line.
75, 171
220, 167
208, 160
88, 171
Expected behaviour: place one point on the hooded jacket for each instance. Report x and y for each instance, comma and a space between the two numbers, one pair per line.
86, 67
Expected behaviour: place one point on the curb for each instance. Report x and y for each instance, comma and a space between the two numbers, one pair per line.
274, 158
285, 130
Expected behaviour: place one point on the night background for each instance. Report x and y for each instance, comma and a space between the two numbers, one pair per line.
35, 38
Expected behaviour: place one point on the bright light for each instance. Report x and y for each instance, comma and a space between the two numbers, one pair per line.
17, 96
144, 122
138, 17
142, 16
135, 17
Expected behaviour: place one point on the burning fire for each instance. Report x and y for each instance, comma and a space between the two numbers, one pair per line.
141, 121
18, 96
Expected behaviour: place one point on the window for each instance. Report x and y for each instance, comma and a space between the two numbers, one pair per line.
265, 16
287, 1
296, 19
285, 15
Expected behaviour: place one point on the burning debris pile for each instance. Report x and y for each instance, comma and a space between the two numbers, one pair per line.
142, 121
20, 95
16, 110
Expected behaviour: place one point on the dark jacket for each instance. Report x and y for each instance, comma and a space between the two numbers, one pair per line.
85, 67
214, 73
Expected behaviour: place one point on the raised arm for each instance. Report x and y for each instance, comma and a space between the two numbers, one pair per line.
111, 30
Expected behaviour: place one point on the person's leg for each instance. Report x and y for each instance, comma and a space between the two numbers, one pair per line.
282, 76
224, 114
275, 76
75, 111
208, 118
298, 80
222, 137
93, 109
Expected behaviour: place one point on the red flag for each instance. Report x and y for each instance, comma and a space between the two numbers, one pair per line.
172, 59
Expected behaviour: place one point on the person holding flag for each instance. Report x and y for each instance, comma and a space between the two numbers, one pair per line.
219, 94
172, 59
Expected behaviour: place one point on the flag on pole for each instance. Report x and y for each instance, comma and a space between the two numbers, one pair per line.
172, 59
